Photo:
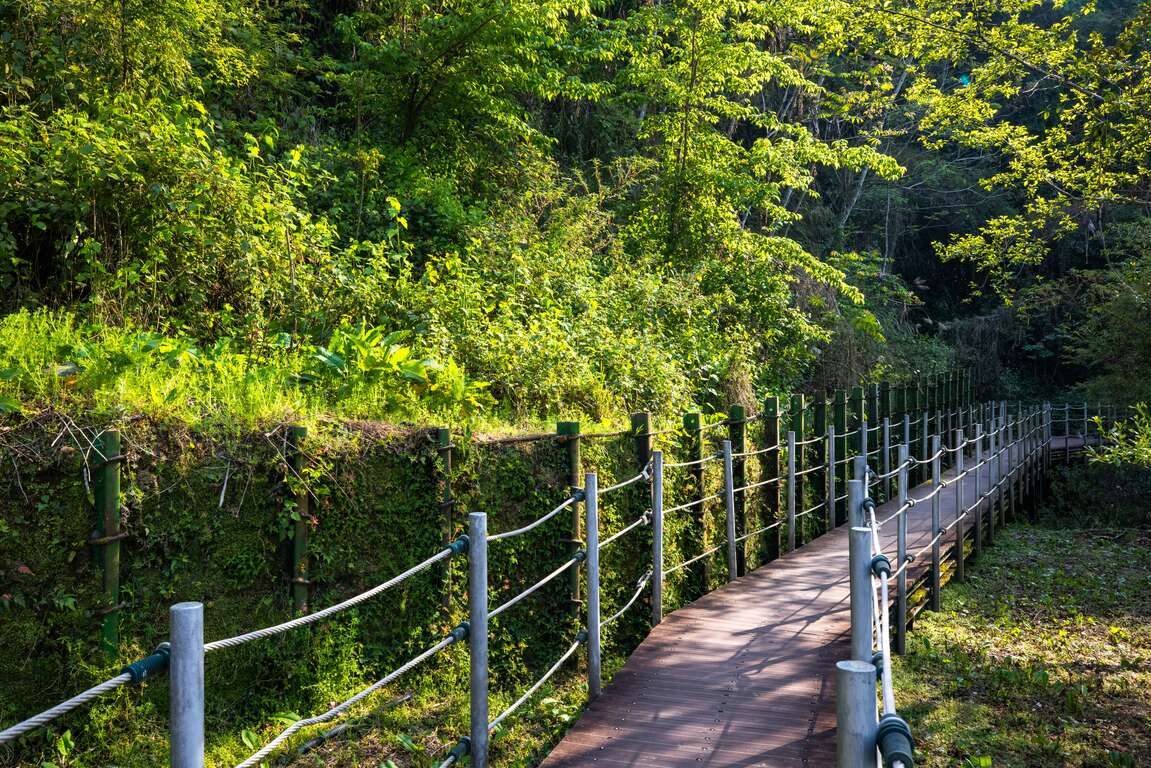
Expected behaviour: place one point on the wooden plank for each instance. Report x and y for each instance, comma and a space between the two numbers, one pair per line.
744, 676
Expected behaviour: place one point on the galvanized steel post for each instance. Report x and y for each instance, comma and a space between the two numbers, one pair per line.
886, 467
591, 504
186, 685
790, 491
924, 444
901, 555
978, 489
829, 511
936, 479
960, 512
859, 563
656, 537
857, 723
729, 505
478, 636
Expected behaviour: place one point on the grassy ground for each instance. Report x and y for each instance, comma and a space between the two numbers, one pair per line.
1043, 658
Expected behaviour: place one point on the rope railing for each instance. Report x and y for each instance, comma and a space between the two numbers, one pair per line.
458, 546
1012, 445
458, 634
578, 557
575, 497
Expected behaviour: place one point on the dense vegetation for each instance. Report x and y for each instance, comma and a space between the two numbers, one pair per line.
1042, 658
592, 207
218, 217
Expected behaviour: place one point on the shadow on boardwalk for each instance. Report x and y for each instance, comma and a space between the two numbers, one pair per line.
745, 676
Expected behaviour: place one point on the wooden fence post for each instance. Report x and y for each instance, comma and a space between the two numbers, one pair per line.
569, 430
797, 425
736, 432
108, 537
303, 519
769, 542
697, 574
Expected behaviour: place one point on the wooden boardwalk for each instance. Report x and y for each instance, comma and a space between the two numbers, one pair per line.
745, 676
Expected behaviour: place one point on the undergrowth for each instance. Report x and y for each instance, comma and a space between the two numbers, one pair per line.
1043, 657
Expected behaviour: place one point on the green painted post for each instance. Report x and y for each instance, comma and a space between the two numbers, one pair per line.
736, 433
296, 436
798, 423
447, 503
885, 405
857, 416
641, 430
819, 477
109, 537
569, 430
840, 407
873, 417
697, 576
770, 540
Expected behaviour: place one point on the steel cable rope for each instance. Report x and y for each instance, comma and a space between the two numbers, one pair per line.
63, 708
344, 706
809, 470
458, 546
640, 586
712, 497
695, 559
751, 486
745, 454
644, 475
533, 525
696, 462
641, 520
537, 684
758, 531
883, 616
578, 557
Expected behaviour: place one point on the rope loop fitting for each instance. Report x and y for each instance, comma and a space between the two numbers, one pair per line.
895, 741
460, 632
877, 659
462, 749
578, 494
869, 504
581, 636
460, 545
880, 566
149, 665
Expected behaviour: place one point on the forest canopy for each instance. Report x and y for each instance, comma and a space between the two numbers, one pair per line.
534, 207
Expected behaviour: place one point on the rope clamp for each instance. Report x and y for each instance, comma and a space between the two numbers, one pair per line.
460, 632
460, 545
880, 565
155, 663
578, 494
101, 540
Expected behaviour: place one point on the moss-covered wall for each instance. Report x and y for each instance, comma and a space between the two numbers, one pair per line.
210, 520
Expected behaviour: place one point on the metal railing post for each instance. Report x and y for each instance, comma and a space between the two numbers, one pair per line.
591, 503
656, 537
790, 491
960, 512
829, 512
729, 504
978, 489
886, 459
478, 636
186, 681
859, 562
924, 447
935, 527
901, 554
856, 717
1067, 433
